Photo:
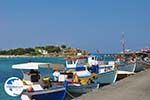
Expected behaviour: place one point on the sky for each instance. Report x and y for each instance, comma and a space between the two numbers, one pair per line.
87, 24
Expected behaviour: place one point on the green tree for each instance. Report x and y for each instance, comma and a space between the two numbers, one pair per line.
63, 46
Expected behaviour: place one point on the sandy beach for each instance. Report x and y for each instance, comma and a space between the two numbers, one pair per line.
136, 87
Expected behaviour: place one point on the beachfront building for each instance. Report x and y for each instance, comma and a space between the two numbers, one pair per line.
43, 52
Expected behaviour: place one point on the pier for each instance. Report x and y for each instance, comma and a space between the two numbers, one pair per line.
135, 87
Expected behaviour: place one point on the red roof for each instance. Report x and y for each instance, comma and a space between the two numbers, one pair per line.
75, 58
146, 50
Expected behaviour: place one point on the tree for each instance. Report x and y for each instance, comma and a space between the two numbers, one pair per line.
63, 46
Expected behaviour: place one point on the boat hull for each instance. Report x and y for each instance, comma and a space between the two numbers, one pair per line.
107, 77
134, 67
123, 74
56, 94
128, 67
81, 89
143, 65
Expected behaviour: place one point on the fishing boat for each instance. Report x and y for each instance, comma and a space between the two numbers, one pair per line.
106, 73
146, 59
80, 81
37, 87
127, 58
143, 64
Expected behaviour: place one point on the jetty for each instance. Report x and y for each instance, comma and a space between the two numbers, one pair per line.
135, 87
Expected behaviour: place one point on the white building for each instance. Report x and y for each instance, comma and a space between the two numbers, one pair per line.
44, 52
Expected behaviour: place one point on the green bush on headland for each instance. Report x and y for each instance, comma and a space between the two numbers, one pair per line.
18, 51
51, 50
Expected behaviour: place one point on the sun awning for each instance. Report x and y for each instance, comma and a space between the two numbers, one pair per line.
31, 65
36, 65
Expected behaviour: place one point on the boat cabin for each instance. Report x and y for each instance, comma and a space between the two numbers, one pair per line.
82, 72
72, 63
34, 72
30, 71
94, 60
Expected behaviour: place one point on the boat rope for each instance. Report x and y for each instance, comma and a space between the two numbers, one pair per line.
70, 95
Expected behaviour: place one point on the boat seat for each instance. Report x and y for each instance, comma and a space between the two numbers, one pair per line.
45, 83
25, 97
37, 87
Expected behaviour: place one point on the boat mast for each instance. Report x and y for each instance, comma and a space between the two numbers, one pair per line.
123, 43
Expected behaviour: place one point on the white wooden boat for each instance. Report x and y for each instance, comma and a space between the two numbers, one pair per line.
32, 80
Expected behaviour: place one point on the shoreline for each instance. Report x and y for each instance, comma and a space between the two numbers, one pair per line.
25, 56
34, 56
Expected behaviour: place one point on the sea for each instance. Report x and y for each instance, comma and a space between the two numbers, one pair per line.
6, 70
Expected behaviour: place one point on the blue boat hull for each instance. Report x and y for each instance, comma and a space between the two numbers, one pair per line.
57, 94
106, 78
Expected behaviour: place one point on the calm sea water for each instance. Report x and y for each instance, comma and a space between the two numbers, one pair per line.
6, 71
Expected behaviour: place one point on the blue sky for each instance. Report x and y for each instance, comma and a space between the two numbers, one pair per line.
87, 24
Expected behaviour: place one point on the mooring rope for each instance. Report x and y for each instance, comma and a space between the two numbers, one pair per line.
70, 95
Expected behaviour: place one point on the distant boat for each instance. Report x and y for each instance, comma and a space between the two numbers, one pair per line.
109, 73
40, 88
146, 59
143, 64
146, 50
